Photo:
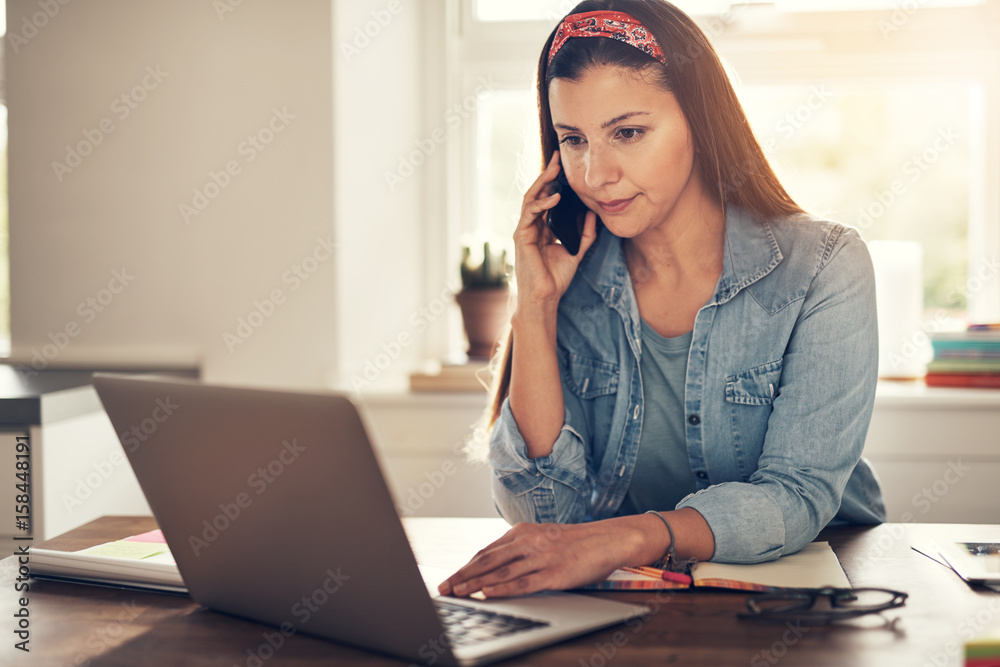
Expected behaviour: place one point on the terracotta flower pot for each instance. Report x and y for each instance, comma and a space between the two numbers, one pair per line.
484, 312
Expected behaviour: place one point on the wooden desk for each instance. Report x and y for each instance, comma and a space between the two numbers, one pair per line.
89, 625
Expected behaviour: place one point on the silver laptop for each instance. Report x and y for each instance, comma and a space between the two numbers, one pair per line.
276, 510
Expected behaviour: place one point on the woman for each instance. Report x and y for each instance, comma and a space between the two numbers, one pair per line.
696, 383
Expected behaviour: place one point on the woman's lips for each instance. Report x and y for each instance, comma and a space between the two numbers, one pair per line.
616, 206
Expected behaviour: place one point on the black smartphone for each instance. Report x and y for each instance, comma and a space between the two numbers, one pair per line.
566, 218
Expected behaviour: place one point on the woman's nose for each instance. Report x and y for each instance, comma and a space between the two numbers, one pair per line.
602, 168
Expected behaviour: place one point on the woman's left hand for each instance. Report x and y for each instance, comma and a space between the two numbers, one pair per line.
539, 557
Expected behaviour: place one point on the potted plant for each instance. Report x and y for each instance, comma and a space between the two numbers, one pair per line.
483, 300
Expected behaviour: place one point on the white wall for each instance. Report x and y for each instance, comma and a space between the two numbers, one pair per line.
935, 451
364, 82
359, 77
222, 78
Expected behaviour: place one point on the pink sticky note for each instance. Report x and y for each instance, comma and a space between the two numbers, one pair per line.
152, 536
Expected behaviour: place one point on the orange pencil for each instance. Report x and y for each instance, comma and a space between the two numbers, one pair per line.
666, 575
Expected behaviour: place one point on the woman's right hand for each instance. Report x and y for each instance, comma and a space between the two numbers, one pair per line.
544, 268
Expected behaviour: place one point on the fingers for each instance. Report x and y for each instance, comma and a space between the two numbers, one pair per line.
523, 561
535, 199
513, 578
589, 234
541, 557
547, 176
497, 560
526, 584
533, 210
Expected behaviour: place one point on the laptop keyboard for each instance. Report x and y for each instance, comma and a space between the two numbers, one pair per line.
469, 625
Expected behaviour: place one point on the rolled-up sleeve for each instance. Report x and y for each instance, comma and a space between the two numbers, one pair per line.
542, 490
818, 424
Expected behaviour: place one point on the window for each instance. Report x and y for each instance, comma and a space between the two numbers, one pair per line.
894, 161
506, 162
886, 118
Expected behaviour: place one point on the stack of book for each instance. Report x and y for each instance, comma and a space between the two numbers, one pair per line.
984, 650
966, 359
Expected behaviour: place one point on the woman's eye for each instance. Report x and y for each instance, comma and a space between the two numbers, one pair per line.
630, 133
571, 141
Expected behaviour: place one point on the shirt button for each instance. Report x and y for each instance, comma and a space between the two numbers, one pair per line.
702, 474
694, 420
635, 413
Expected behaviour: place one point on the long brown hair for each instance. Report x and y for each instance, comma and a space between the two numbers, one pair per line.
730, 161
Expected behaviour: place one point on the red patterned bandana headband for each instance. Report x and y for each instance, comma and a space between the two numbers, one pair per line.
616, 25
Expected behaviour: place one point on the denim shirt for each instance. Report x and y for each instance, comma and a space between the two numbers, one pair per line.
778, 395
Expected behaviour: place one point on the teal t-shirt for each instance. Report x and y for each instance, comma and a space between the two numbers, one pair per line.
662, 474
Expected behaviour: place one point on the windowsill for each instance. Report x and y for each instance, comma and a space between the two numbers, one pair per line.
889, 394
916, 394
404, 398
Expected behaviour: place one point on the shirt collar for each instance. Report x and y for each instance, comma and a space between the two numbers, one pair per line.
751, 252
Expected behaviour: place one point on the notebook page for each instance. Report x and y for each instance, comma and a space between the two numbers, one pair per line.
816, 566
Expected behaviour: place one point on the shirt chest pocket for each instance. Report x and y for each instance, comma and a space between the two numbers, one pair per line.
756, 386
589, 378
749, 396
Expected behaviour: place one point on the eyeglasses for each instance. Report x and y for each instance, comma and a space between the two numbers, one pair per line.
838, 604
